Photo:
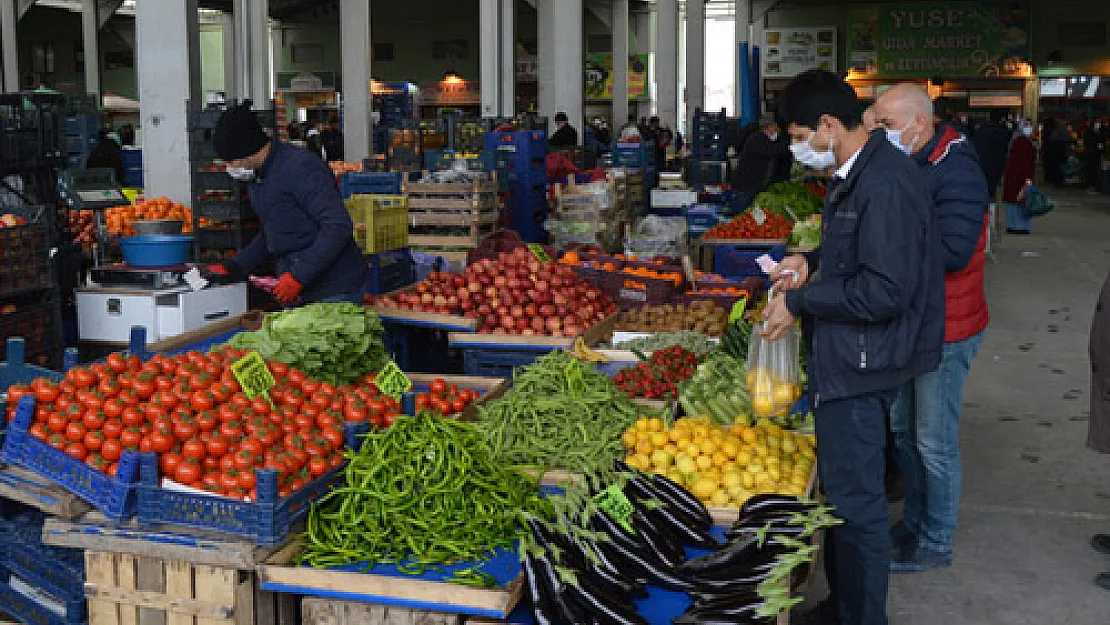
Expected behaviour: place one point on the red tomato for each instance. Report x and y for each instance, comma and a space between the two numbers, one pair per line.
438, 386
76, 450
94, 441
318, 466
111, 449
161, 442
38, 430
46, 393
216, 446
194, 449
57, 422
202, 400
247, 479
245, 460
187, 472
168, 462
93, 420
75, 432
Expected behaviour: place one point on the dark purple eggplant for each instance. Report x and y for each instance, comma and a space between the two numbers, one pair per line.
740, 532
631, 588
669, 551
689, 533
726, 556
563, 612
605, 610
613, 568
601, 522
636, 563
658, 487
721, 618
774, 501
752, 564
539, 590
727, 600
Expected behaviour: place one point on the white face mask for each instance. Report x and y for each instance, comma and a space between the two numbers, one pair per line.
241, 174
895, 139
774, 136
805, 154
1027, 131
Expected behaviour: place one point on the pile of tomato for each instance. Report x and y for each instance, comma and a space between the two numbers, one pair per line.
190, 410
659, 375
745, 226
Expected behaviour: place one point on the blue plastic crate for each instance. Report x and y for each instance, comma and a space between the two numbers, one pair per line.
15, 370
56, 570
265, 522
421, 349
112, 496
531, 142
32, 612
390, 271
737, 260
370, 183
440, 160
496, 363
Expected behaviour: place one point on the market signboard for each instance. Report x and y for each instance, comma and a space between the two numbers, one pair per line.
788, 52
926, 39
599, 77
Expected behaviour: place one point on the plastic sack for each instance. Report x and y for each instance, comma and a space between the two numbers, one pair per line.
774, 377
656, 235
1033, 201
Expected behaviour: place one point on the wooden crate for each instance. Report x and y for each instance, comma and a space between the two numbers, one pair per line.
451, 195
34, 490
320, 611
126, 589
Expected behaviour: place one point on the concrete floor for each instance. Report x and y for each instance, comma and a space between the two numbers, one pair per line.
1033, 493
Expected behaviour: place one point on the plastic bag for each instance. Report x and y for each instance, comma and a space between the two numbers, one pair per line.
774, 377
655, 235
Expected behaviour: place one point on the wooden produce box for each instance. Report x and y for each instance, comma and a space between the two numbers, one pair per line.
592, 336
321, 611
250, 321
424, 319
469, 209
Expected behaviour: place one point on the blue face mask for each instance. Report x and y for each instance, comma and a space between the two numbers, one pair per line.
895, 139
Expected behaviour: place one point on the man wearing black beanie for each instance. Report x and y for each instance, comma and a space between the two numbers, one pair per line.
306, 230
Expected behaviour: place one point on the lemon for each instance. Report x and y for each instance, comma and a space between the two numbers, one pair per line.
661, 460
676, 477
659, 440
692, 449
720, 499
686, 465
784, 395
760, 451
656, 424
643, 424
732, 478
704, 487
730, 447
704, 462
744, 458
671, 449
629, 439
763, 404
755, 467
747, 480
719, 460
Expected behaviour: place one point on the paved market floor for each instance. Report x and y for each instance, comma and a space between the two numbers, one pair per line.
1033, 494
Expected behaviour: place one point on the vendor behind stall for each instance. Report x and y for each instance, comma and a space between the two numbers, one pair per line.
305, 229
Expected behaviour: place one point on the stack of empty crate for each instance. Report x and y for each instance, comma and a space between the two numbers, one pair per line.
590, 213
708, 149
449, 219
522, 162
638, 159
80, 138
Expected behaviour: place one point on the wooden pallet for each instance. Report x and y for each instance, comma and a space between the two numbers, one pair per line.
471, 239
320, 611
452, 195
32, 489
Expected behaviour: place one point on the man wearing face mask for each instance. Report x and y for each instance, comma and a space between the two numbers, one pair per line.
757, 160
871, 300
306, 230
925, 417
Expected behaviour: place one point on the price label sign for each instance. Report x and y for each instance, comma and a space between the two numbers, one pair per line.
737, 312
613, 502
392, 381
759, 216
253, 375
538, 251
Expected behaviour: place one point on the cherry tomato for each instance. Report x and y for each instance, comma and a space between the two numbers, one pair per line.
161, 442
76, 450
168, 462
94, 441
247, 479
44, 394
187, 472
438, 386
111, 449
194, 449
75, 431
318, 466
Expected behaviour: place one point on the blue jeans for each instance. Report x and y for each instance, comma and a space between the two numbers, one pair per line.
851, 461
925, 421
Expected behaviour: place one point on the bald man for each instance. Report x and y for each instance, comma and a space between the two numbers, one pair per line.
925, 416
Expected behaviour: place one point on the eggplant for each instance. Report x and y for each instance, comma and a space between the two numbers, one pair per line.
637, 564
775, 501
727, 600
601, 522
689, 532
605, 610
730, 555
677, 499
539, 590
740, 532
721, 618
631, 588
668, 550
775, 521
613, 568
562, 610
755, 564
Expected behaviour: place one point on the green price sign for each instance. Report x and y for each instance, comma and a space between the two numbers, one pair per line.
614, 503
737, 312
392, 381
538, 251
253, 375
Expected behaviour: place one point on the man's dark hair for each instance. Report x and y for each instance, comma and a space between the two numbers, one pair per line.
815, 93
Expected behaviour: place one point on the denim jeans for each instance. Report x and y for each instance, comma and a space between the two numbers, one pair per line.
851, 458
925, 420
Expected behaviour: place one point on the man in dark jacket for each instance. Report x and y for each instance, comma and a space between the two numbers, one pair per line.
565, 136
306, 229
1093, 146
992, 144
925, 417
106, 155
874, 315
757, 161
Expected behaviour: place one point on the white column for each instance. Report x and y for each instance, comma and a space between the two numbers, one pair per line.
354, 35
277, 45
560, 60
90, 27
643, 30
508, 58
260, 53
10, 45
743, 19
166, 36
241, 18
666, 62
620, 63
695, 58
231, 66
489, 55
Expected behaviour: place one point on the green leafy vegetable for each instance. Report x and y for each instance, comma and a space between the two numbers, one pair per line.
337, 343
807, 233
789, 195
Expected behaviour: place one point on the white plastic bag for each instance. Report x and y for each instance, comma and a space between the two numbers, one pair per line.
774, 378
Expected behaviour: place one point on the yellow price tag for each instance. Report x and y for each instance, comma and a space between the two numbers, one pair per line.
612, 501
540, 253
737, 312
253, 375
392, 381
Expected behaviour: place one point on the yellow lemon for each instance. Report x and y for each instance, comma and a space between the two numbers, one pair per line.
671, 449
747, 480
686, 464
720, 499
677, 478
749, 436
760, 451
659, 439
788, 445
643, 423
730, 447
629, 439
692, 449
763, 404
644, 447
744, 458
656, 424
755, 466
708, 446
719, 460
732, 478
704, 462
704, 487
661, 460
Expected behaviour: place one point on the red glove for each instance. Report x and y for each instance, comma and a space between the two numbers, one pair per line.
218, 269
287, 289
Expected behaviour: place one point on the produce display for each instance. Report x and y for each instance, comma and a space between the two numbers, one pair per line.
703, 317
659, 375
515, 294
717, 390
722, 466
342, 167
337, 343
690, 341
807, 233
119, 219
791, 199
747, 226
425, 492
80, 224
559, 413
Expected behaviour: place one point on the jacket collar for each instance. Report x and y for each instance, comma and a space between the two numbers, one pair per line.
938, 147
877, 139
260, 175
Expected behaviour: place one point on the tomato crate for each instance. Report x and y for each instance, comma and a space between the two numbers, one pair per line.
266, 522
112, 496
33, 606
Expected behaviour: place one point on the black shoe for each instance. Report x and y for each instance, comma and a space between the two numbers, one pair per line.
824, 613
1101, 543
1103, 580
1012, 231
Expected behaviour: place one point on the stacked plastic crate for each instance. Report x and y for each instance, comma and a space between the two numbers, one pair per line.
522, 156
80, 139
708, 148
224, 220
638, 158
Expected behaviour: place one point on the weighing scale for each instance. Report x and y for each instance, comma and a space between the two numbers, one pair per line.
95, 190
147, 278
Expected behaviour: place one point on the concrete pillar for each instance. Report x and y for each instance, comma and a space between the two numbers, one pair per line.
167, 36
90, 27
231, 66
695, 59
354, 35
743, 19
277, 45
8, 41
508, 58
620, 63
666, 62
560, 60
642, 31
489, 55
260, 53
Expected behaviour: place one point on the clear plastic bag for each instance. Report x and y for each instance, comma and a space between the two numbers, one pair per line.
774, 378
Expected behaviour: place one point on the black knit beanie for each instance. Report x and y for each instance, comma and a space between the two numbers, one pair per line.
238, 133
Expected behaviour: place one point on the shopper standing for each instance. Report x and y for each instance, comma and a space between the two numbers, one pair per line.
306, 231
757, 162
873, 312
1093, 145
925, 417
1056, 139
565, 136
992, 141
1020, 168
